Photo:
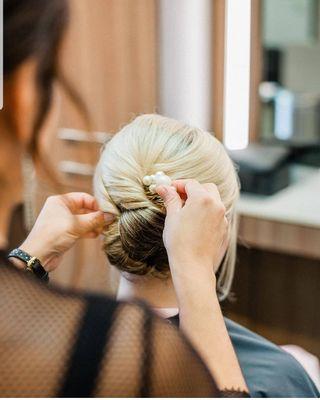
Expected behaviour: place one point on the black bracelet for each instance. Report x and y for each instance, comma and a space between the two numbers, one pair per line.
32, 264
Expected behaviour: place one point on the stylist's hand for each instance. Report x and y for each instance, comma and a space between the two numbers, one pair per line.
196, 228
195, 236
62, 221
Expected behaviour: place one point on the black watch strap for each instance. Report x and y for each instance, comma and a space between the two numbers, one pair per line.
32, 264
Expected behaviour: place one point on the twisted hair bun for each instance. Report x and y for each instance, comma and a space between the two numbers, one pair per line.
134, 243
151, 143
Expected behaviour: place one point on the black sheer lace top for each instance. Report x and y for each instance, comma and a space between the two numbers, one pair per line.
66, 344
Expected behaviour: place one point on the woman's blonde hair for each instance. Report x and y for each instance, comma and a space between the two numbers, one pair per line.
151, 143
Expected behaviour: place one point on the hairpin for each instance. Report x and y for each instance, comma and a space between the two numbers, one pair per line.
159, 178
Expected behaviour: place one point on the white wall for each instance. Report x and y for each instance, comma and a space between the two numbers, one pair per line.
185, 60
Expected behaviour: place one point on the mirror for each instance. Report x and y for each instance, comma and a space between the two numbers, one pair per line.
290, 87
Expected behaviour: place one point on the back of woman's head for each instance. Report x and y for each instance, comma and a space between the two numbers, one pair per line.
151, 143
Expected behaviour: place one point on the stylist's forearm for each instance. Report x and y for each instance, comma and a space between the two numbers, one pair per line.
202, 321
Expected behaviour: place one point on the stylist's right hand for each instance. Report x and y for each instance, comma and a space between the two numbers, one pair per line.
62, 221
196, 228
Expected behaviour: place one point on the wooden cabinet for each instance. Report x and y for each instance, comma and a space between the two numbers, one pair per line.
277, 295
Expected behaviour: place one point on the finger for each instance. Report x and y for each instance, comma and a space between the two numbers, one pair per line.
91, 222
212, 189
76, 201
82, 211
108, 218
171, 198
91, 235
192, 188
189, 187
180, 184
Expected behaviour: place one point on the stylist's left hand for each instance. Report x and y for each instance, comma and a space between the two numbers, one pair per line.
62, 221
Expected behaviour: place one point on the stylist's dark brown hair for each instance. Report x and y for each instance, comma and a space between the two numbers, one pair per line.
35, 28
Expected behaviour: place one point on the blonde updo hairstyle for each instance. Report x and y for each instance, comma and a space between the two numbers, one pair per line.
151, 143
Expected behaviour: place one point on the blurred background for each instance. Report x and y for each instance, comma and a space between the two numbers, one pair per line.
128, 57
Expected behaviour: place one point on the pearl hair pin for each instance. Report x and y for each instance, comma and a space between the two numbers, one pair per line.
159, 178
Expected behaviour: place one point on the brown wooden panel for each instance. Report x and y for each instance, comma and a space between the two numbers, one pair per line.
110, 55
276, 236
277, 295
218, 66
255, 70
110, 58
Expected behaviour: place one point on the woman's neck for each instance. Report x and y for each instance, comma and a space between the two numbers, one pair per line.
159, 293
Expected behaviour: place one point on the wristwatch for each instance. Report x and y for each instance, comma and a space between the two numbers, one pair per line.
33, 265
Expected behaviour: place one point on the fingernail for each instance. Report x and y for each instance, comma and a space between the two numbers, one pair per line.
108, 217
